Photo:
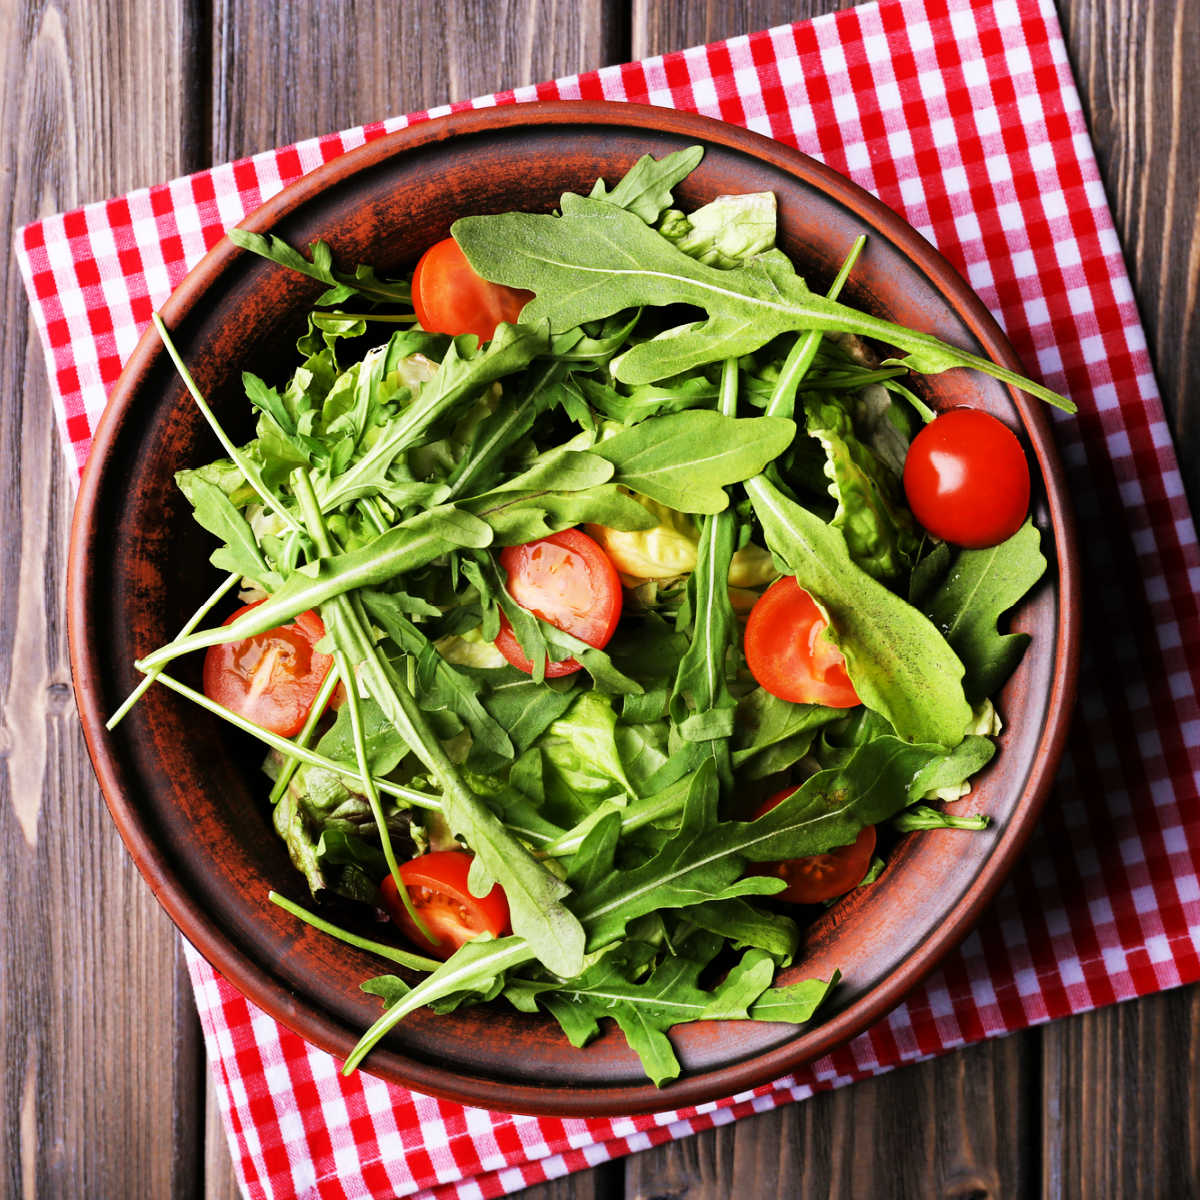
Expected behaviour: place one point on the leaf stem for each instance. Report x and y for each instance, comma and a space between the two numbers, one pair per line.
310, 508
409, 796
417, 962
194, 620
291, 764
804, 349
247, 469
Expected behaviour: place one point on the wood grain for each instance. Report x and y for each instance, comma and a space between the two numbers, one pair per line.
102, 1091
336, 65
1135, 66
100, 1075
1121, 1102
934, 1130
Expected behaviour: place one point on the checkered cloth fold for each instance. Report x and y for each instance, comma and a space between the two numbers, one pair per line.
964, 118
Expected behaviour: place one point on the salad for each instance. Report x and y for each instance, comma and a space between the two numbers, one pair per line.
609, 603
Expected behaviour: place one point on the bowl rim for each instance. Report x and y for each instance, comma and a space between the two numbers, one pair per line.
255, 981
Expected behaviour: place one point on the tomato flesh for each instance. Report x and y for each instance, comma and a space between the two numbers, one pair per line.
272, 678
967, 480
437, 889
788, 654
568, 581
816, 878
449, 297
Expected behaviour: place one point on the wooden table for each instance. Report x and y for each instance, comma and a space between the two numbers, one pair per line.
103, 1090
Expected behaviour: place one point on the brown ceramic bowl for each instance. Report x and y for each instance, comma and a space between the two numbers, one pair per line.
184, 790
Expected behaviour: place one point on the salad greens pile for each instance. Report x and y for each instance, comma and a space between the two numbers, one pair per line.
677, 389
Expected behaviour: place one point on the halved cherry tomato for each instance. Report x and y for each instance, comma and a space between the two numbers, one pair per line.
568, 581
788, 654
449, 297
819, 877
272, 678
966, 479
437, 888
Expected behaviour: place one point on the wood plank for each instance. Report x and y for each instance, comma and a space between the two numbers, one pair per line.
1121, 1106
341, 65
220, 1182
953, 1127
605, 1182
1133, 63
99, 1069
657, 28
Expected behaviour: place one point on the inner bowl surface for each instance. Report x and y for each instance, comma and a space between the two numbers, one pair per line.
185, 792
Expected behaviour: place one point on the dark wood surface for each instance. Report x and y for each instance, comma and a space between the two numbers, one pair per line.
103, 1090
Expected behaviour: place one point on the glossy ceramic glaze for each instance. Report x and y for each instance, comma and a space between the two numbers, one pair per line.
185, 792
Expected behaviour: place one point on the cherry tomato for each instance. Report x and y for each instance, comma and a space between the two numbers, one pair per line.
966, 479
568, 581
819, 877
437, 888
449, 297
272, 678
788, 654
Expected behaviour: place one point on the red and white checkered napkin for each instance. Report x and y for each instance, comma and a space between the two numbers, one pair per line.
964, 118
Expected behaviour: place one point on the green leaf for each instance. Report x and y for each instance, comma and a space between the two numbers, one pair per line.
899, 663
879, 530
981, 586
726, 232
645, 190
686, 459
972, 754
763, 720
595, 260
409, 545
462, 375
519, 517
794, 1003
363, 281
440, 685
526, 709
745, 926
214, 510
581, 748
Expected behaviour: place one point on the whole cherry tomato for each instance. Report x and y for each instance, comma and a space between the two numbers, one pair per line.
967, 480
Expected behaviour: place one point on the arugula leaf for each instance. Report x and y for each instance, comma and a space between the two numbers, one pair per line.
409, 545
794, 1003
519, 517
440, 685
472, 968
363, 282
897, 660
982, 586
645, 189
461, 375
524, 708
212, 508
595, 260
686, 459
745, 926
